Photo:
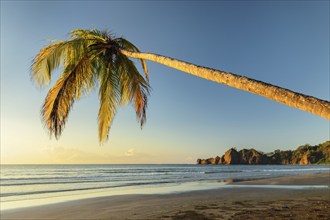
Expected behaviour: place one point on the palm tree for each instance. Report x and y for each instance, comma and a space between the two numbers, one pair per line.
92, 57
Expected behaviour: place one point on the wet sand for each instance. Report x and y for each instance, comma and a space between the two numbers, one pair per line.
244, 200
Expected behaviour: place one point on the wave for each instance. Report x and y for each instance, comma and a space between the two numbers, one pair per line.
33, 180
224, 171
296, 170
82, 189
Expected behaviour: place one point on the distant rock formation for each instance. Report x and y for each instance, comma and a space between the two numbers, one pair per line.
305, 154
231, 157
253, 157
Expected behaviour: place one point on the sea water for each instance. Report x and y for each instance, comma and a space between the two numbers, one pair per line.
27, 185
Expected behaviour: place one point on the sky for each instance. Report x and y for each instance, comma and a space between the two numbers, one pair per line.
285, 43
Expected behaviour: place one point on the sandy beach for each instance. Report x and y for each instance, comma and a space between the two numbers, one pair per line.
242, 200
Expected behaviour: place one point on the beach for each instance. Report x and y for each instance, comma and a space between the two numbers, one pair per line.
289, 197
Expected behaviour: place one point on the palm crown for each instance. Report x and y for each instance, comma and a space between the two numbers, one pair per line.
90, 58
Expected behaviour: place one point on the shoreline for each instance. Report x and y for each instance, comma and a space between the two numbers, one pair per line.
321, 178
224, 203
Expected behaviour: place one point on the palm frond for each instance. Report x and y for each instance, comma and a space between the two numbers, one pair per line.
140, 97
74, 80
127, 45
134, 88
93, 34
55, 55
48, 59
57, 105
109, 99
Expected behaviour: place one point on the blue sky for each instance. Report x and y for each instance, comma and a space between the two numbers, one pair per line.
285, 43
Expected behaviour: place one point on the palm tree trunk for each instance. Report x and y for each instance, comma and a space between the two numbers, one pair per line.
297, 100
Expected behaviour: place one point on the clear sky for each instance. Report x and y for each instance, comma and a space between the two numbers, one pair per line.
285, 43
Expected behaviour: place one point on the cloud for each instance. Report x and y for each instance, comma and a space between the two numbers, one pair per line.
68, 155
73, 155
130, 152
64, 155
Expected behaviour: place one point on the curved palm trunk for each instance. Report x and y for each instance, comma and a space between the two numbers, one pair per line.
297, 100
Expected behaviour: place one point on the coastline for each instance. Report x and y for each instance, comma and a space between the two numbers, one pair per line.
240, 200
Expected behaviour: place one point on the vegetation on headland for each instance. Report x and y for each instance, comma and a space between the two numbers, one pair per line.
305, 154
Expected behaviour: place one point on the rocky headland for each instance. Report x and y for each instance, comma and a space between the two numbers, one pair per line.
305, 154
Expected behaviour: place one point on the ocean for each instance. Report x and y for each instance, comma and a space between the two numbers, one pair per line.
28, 185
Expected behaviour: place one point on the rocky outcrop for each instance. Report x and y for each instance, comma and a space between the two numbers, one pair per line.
212, 161
303, 155
305, 160
253, 157
231, 157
